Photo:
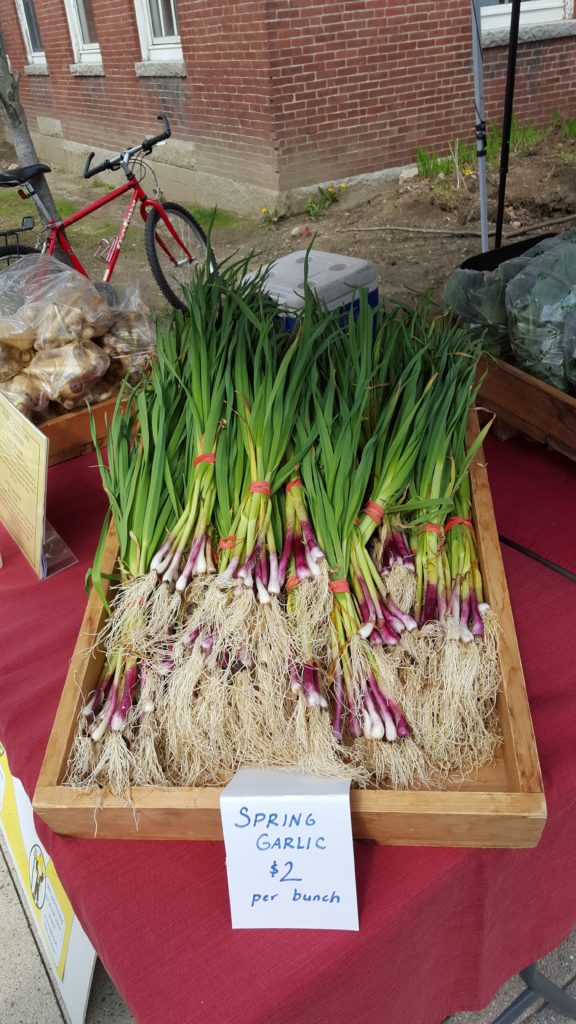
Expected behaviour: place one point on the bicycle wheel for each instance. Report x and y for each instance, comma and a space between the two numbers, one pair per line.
11, 253
174, 261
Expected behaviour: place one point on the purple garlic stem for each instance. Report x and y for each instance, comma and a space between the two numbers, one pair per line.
274, 584
477, 625
160, 561
105, 715
407, 620
372, 616
96, 700
314, 548
285, 556
399, 719
184, 578
122, 709
302, 570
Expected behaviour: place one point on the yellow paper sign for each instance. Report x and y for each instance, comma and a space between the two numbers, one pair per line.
46, 897
23, 476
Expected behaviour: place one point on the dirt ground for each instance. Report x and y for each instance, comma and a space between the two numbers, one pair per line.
372, 221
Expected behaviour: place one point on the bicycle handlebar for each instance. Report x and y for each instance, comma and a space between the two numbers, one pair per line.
146, 146
149, 144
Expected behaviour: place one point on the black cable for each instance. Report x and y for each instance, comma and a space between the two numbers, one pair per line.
538, 558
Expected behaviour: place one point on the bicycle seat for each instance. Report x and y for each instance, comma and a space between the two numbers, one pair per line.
18, 175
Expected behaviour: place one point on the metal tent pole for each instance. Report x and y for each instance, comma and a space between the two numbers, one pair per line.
477, 61
507, 120
537, 987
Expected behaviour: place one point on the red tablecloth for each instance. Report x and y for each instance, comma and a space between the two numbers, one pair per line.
441, 929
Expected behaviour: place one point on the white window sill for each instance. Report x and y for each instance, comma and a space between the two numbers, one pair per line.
36, 69
160, 69
529, 33
87, 70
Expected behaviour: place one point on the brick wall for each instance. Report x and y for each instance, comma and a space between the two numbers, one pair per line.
221, 107
285, 93
359, 84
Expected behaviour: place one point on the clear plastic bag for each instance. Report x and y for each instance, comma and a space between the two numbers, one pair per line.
539, 300
478, 297
131, 340
68, 374
10, 362
132, 331
25, 393
47, 304
16, 333
133, 367
569, 343
520, 307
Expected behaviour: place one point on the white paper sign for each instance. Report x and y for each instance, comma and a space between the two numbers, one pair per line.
289, 851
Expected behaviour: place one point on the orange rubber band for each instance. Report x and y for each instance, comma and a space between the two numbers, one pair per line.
432, 528
375, 512
292, 582
260, 487
457, 521
206, 457
226, 542
339, 587
293, 483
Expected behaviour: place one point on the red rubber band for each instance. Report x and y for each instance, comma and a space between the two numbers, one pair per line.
432, 528
339, 587
292, 582
375, 512
206, 457
260, 487
226, 542
293, 483
456, 521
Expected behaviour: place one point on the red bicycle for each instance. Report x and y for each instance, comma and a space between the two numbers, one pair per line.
175, 243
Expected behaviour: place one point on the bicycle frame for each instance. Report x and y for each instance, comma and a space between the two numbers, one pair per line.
56, 236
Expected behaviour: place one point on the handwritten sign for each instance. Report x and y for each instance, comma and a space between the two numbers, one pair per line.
23, 483
289, 851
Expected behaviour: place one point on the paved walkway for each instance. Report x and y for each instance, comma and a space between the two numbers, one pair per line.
28, 997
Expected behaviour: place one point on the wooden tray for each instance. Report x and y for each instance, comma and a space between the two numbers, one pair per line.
70, 434
503, 805
529, 405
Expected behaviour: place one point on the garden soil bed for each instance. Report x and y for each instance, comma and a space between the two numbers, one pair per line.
367, 220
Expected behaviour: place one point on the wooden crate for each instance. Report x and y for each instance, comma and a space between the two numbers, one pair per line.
70, 434
502, 806
530, 406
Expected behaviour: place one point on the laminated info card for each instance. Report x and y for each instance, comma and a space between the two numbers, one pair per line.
289, 851
23, 478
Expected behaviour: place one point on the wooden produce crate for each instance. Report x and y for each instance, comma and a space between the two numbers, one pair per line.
70, 434
503, 806
530, 406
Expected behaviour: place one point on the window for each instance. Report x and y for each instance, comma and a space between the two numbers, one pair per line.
80, 16
158, 30
496, 13
30, 31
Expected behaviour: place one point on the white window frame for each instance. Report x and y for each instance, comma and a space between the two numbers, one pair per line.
169, 48
35, 57
84, 53
532, 12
